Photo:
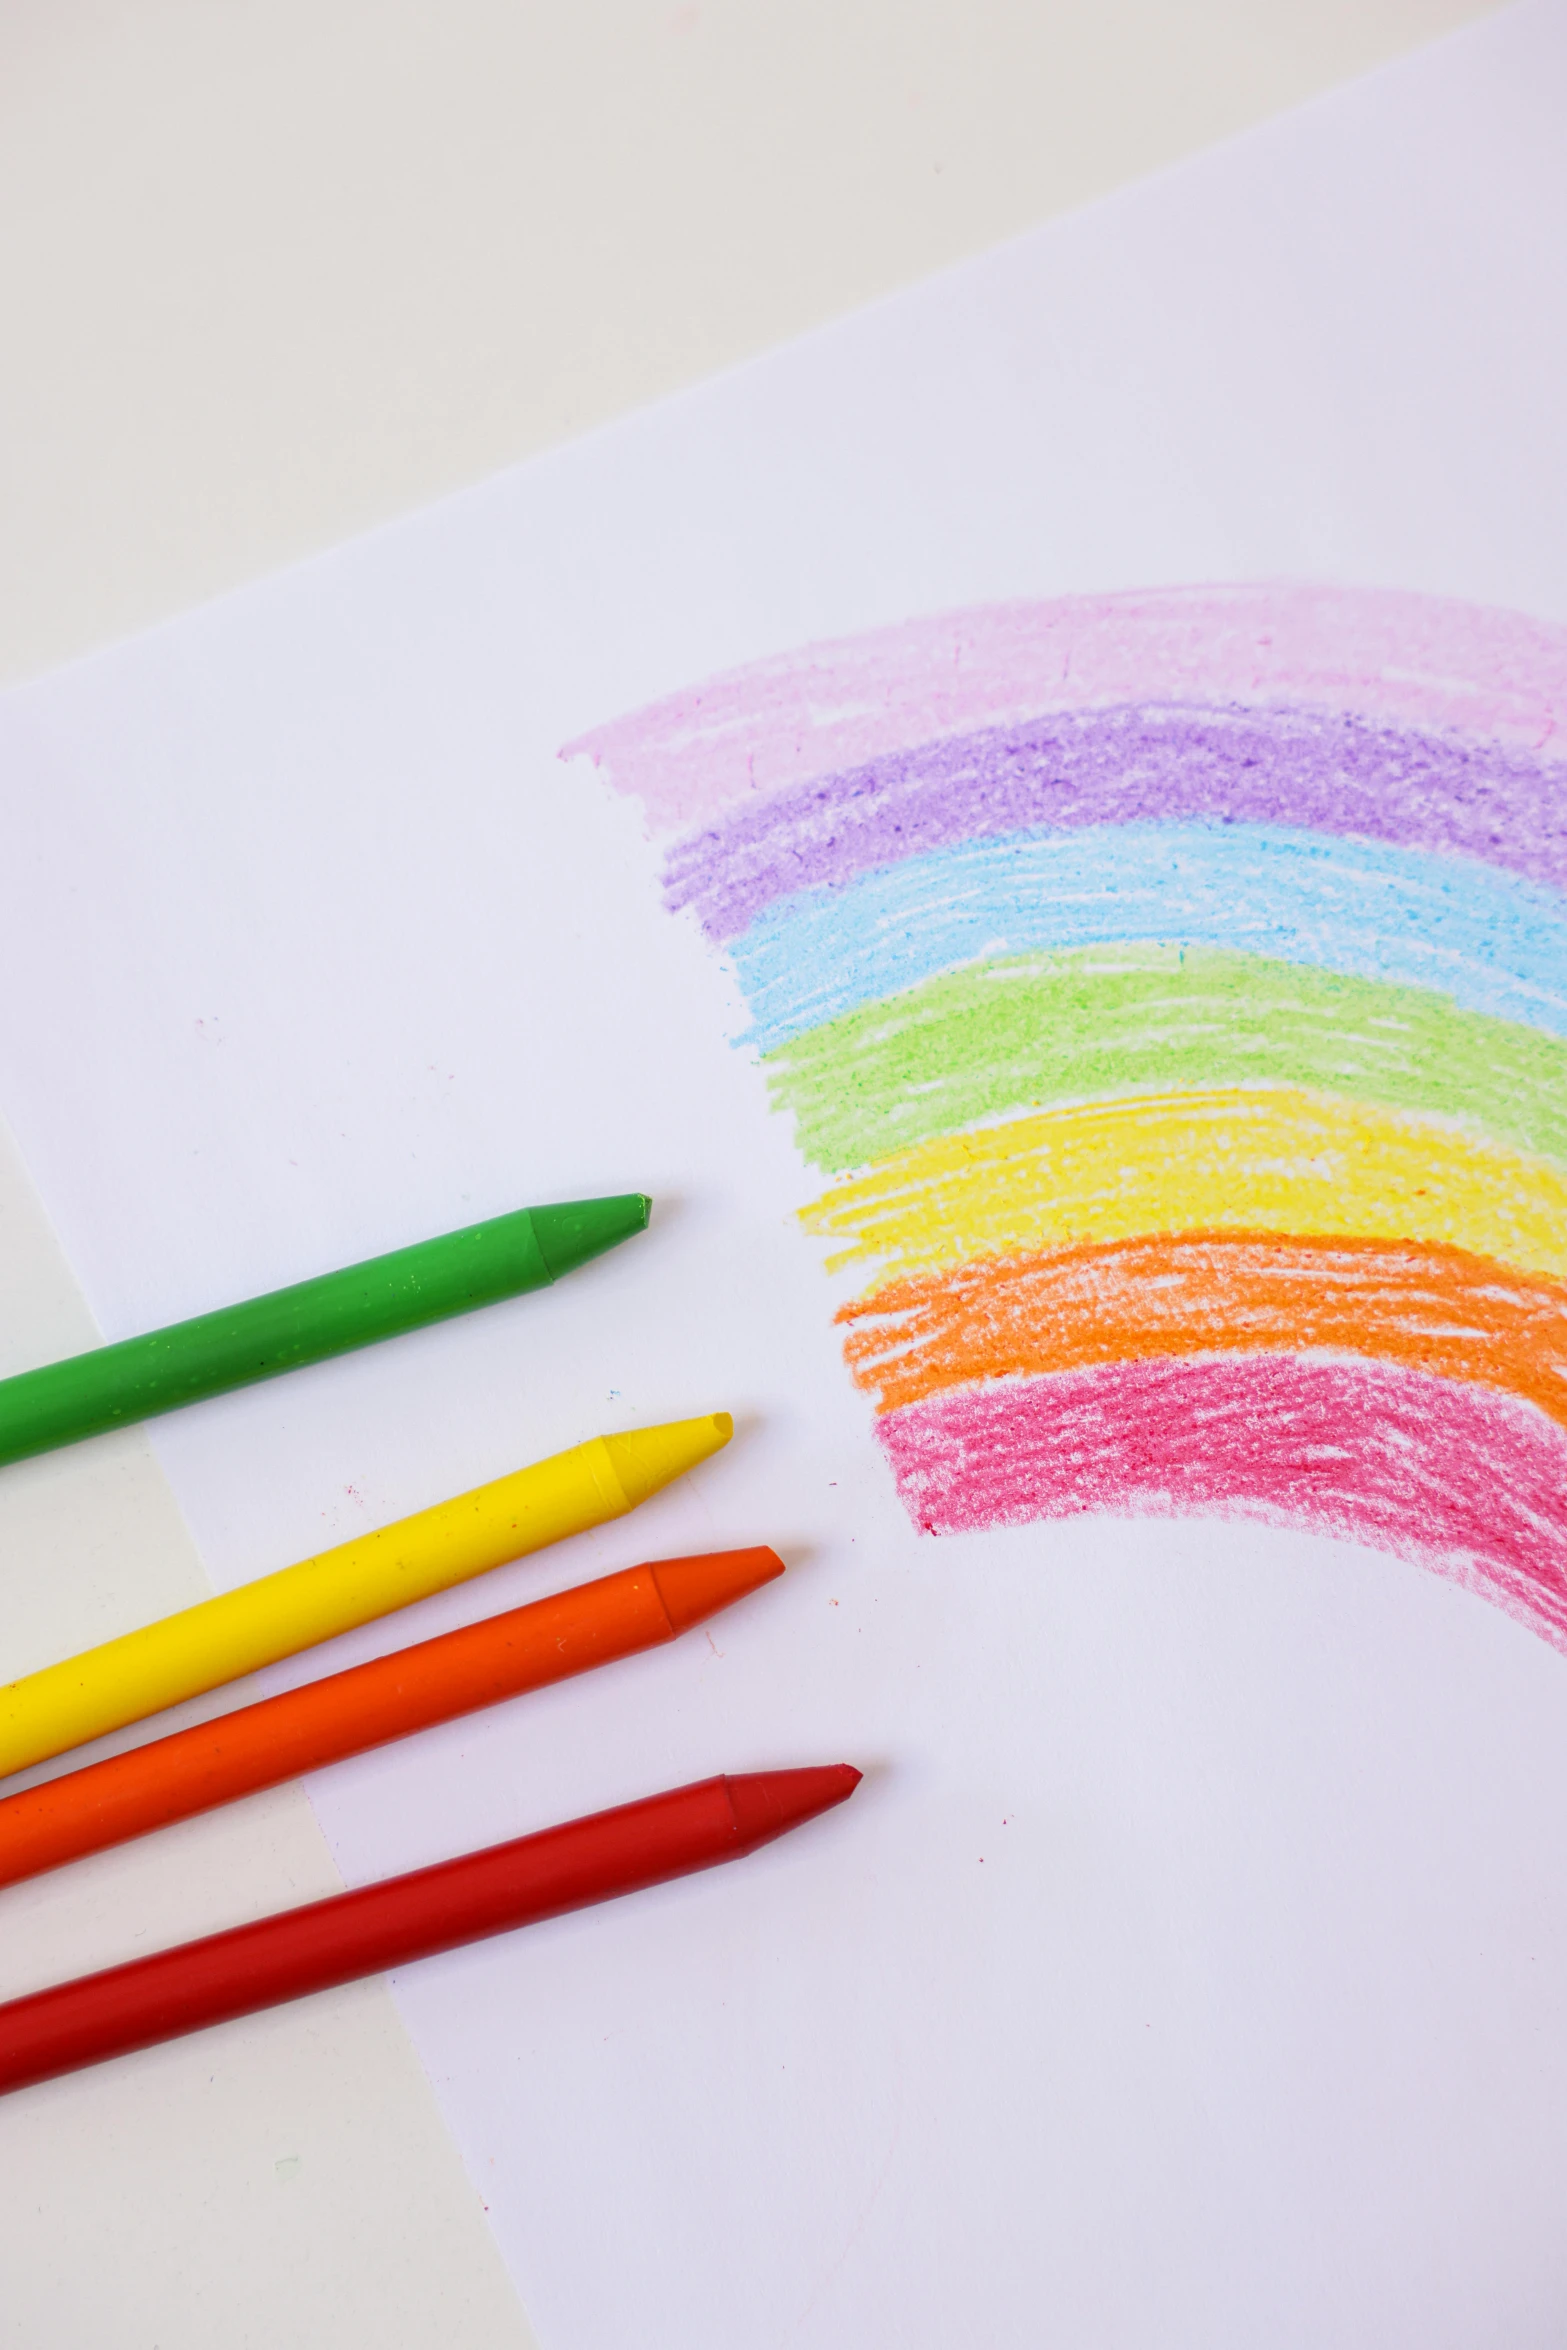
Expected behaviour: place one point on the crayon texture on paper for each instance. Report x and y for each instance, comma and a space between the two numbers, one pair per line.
1173, 986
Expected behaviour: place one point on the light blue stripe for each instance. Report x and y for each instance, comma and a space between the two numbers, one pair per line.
1491, 941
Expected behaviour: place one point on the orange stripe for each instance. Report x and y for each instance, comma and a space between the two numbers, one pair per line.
1423, 1304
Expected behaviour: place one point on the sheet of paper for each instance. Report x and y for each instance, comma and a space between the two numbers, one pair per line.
1189, 1967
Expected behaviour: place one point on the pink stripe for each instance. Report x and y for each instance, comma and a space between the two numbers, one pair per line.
1419, 659
1465, 1481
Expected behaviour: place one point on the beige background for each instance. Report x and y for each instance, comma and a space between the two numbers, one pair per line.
272, 274
284, 2182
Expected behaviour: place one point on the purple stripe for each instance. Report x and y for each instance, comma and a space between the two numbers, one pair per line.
1457, 1477
1399, 659
1313, 770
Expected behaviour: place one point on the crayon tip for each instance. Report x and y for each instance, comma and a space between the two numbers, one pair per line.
692, 1588
644, 1459
578, 1229
769, 1803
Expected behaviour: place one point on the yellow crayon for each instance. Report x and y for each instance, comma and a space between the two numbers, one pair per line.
218, 1640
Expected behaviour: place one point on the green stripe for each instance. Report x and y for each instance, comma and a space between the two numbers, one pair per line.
1029, 1031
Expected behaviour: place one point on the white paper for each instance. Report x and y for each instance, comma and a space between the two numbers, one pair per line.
1189, 1968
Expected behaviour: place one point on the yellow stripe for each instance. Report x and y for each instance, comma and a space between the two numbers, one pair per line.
1274, 1160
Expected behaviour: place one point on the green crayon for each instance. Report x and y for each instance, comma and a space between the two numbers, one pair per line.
138, 1377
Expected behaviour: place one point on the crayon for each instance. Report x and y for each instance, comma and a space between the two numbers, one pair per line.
136, 1378
401, 1919
347, 1713
200, 1648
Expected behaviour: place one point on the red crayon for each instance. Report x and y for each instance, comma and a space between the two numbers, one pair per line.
404, 1918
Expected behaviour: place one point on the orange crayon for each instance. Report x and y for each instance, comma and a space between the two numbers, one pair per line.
260, 1745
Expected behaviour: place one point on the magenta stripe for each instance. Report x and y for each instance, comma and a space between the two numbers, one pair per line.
1398, 659
1466, 1481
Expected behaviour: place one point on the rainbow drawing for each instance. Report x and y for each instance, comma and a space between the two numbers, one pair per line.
1173, 986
